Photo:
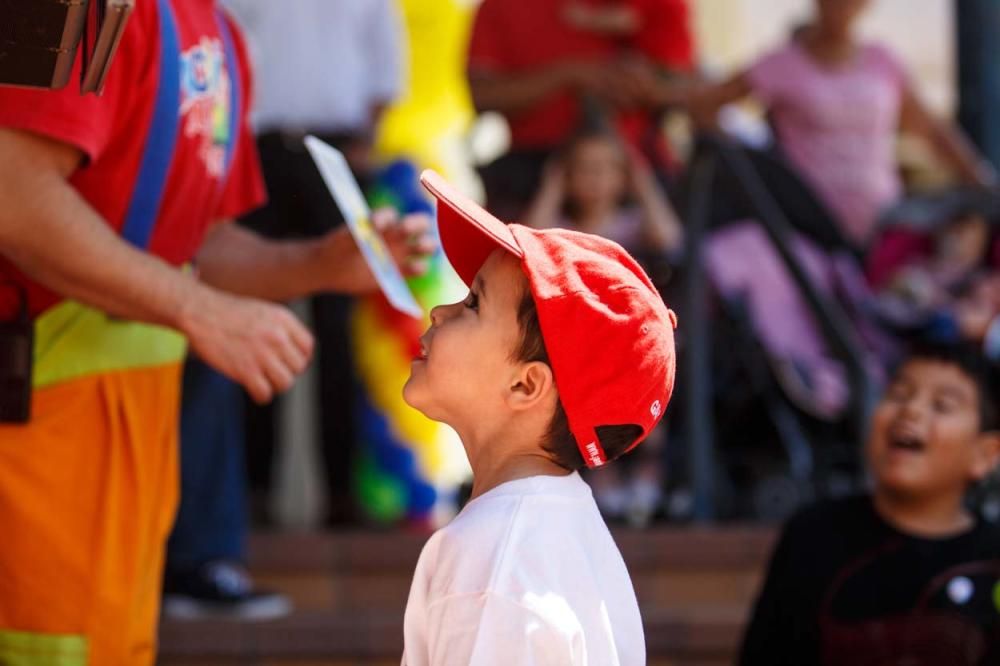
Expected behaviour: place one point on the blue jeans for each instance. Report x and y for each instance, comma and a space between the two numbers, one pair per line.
212, 518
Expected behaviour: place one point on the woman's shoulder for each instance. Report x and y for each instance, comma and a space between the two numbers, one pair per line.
783, 54
881, 55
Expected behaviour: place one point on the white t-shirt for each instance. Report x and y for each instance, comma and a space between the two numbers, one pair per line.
322, 64
528, 575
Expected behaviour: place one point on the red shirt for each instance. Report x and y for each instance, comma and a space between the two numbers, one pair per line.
111, 131
665, 33
519, 35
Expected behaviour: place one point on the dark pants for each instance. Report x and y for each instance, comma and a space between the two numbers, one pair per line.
212, 518
218, 420
300, 206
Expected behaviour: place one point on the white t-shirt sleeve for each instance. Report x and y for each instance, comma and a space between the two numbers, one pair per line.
386, 42
489, 629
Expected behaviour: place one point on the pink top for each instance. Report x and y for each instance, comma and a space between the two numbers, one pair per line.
838, 126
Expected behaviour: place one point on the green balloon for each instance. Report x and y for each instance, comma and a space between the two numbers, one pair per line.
382, 498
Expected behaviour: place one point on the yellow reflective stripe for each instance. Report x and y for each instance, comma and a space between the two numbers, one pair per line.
73, 340
21, 648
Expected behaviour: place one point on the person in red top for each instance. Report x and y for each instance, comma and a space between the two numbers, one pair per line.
111, 211
656, 28
539, 63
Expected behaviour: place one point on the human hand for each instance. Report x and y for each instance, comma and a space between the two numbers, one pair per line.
554, 178
977, 309
602, 79
259, 345
702, 100
408, 239
646, 86
639, 172
974, 319
918, 287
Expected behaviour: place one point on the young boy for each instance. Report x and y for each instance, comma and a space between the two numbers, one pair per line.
907, 575
561, 356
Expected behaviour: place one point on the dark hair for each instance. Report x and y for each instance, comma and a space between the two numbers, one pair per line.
586, 133
559, 441
592, 132
971, 362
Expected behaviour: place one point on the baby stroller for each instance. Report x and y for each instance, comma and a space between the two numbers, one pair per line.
779, 354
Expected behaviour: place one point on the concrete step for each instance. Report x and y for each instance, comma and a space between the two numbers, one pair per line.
698, 635
349, 590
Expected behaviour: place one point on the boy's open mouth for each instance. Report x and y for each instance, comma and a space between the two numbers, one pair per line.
422, 354
903, 440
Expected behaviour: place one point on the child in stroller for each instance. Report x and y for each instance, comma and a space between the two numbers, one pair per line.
936, 266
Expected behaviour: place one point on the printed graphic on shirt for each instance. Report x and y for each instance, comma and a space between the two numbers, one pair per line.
205, 99
952, 622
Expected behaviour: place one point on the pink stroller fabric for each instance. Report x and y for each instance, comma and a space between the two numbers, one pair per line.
743, 264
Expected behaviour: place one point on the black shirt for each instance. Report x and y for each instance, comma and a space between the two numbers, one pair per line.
844, 588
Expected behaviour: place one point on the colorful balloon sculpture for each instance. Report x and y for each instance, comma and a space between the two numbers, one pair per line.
412, 466
409, 461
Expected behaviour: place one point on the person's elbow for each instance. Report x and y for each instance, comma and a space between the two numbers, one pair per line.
33, 169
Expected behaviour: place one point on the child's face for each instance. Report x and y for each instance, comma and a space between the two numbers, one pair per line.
839, 16
964, 241
925, 437
595, 173
467, 360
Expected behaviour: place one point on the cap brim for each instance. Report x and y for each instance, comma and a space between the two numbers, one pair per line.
469, 234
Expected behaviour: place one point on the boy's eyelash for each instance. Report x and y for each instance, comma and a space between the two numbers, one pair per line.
472, 301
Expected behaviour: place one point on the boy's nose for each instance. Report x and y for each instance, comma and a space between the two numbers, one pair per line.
438, 314
913, 409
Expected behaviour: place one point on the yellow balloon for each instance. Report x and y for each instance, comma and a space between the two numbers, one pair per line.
428, 124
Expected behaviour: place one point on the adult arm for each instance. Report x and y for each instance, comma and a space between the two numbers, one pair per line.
703, 101
510, 92
661, 228
52, 234
545, 209
947, 141
242, 262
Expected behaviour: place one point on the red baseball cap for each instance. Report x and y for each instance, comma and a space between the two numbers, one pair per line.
608, 333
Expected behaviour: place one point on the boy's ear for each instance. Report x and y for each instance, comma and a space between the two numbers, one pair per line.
530, 386
987, 455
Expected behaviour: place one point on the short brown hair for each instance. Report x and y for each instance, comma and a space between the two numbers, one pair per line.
559, 441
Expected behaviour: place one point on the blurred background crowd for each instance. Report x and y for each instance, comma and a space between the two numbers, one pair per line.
809, 183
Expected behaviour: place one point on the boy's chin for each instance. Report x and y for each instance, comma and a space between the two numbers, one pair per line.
412, 397
409, 394
900, 487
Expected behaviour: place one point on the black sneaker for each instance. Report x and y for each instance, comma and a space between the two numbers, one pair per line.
220, 591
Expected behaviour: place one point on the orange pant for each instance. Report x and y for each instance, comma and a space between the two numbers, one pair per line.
88, 491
